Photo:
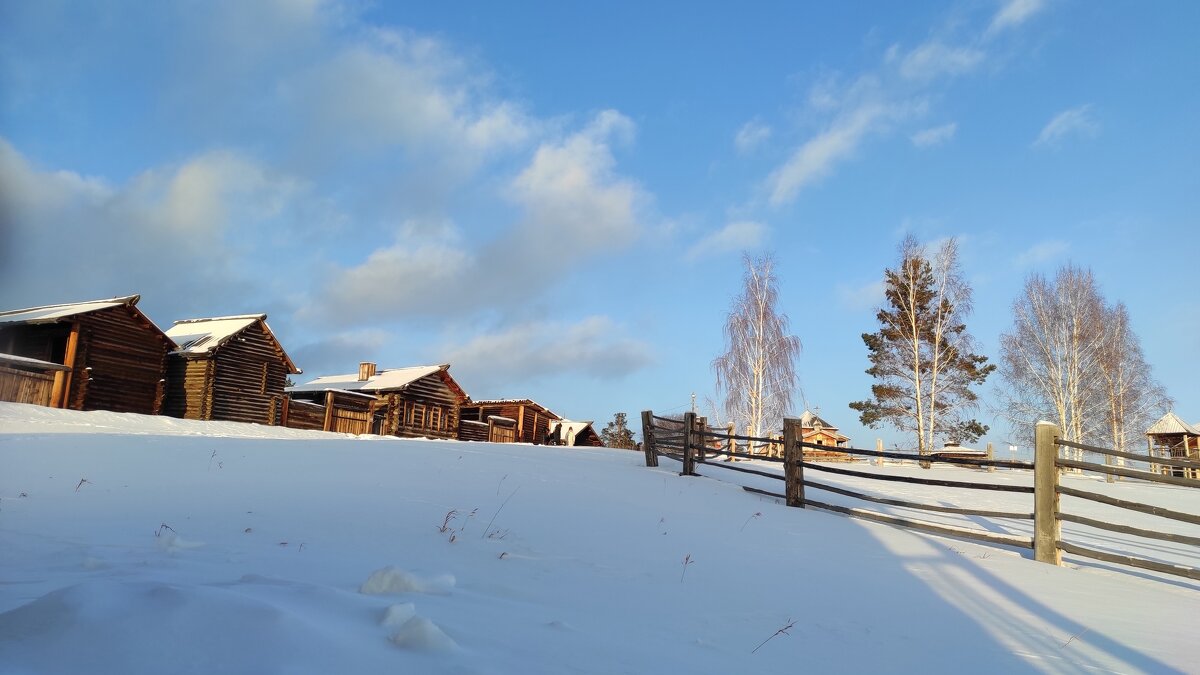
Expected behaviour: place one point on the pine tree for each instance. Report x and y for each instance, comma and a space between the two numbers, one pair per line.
616, 434
922, 356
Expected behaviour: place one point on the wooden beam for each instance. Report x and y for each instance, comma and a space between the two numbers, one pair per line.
1047, 530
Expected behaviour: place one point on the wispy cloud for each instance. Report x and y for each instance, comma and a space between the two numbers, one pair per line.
816, 157
1014, 13
751, 135
934, 136
935, 59
1041, 252
858, 298
1077, 121
736, 236
595, 346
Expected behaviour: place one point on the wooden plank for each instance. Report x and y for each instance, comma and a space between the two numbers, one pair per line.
917, 505
1167, 461
925, 526
793, 463
1047, 532
1125, 529
1132, 506
1140, 563
1130, 473
689, 461
921, 481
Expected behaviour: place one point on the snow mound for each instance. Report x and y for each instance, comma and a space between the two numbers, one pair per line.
392, 580
173, 543
422, 634
398, 615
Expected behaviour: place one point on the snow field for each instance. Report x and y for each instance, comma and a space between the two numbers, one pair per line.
555, 560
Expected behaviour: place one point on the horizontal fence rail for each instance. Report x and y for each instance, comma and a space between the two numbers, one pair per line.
691, 441
1048, 444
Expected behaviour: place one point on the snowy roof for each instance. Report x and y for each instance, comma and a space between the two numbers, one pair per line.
201, 336
809, 419
26, 362
510, 401
1171, 424
389, 379
197, 337
55, 313
572, 427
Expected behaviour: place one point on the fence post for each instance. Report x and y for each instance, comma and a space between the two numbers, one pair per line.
701, 441
689, 437
732, 443
990, 456
648, 438
879, 448
1047, 530
793, 454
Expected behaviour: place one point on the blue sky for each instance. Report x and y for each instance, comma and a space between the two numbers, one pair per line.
554, 198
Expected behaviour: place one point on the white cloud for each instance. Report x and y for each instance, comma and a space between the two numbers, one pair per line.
735, 236
185, 235
573, 205
1073, 122
594, 347
934, 135
1014, 13
858, 298
1042, 252
751, 135
935, 59
817, 156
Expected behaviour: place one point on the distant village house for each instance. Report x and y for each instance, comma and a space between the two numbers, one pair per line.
228, 368
96, 355
415, 402
531, 420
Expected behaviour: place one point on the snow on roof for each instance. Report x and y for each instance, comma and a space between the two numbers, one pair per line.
809, 418
1171, 424
384, 380
510, 401
201, 336
55, 313
572, 427
26, 362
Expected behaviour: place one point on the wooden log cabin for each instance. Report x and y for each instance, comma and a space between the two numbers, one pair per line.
815, 430
1171, 437
533, 420
101, 355
229, 368
416, 402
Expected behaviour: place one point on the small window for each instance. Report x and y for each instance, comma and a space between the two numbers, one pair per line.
416, 416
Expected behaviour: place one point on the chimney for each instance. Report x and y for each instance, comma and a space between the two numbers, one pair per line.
366, 370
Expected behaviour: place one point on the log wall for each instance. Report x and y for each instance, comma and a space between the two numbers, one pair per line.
411, 411
533, 421
249, 372
189, 388
120, 362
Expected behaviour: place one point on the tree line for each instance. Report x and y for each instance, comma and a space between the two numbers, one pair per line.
1070, 357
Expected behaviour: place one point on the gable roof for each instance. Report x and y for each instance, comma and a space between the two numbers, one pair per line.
1171, 424
511, 401
199, 337
56, 313
388, 379
810, 419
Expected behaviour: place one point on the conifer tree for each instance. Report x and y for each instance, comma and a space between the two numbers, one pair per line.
616, 434
922, 357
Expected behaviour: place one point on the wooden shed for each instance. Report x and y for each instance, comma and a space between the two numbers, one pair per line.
416, 402
228, 368
817, 431
115, 356
578, 434
533, 419
1171, 437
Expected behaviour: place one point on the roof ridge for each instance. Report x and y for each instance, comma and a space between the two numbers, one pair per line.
262, 317
121, 299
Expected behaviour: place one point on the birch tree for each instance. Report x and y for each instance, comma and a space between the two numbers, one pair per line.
756, 375
922, 356
1073, 359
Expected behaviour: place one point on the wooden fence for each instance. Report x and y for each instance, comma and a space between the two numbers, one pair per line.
25, 386
691, 442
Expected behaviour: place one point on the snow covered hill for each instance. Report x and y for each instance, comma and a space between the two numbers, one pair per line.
133, 544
